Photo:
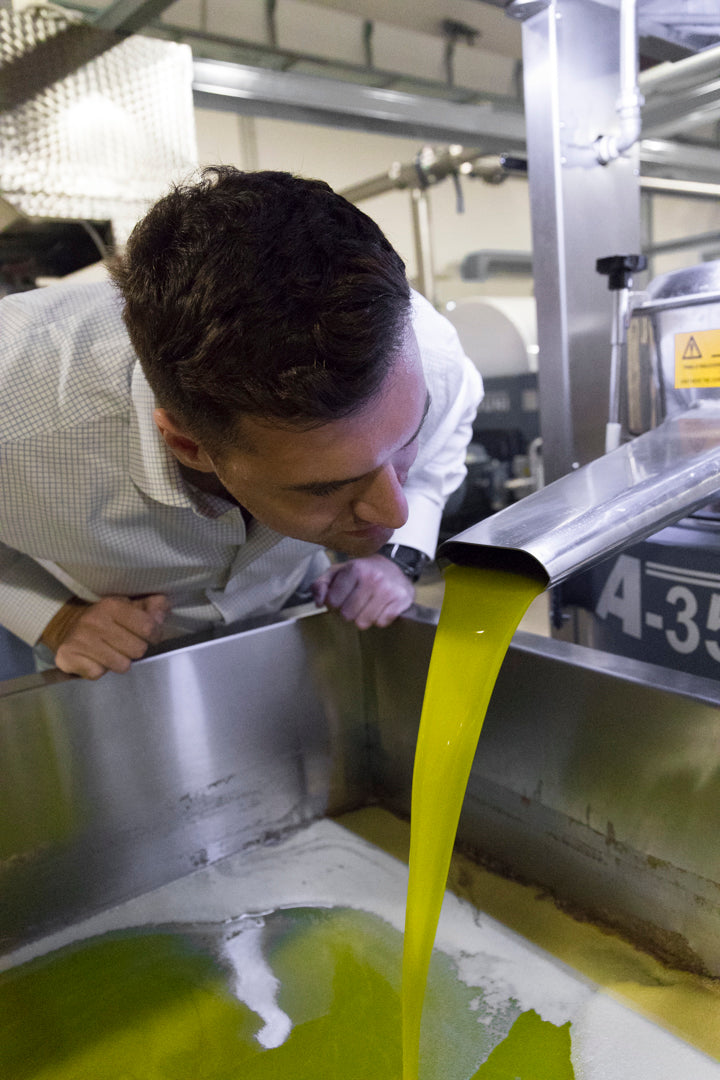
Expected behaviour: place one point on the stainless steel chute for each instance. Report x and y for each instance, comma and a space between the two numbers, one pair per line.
600, 509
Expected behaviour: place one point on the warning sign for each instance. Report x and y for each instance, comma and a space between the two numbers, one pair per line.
697, 360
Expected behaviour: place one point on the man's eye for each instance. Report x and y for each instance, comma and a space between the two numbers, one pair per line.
327, 489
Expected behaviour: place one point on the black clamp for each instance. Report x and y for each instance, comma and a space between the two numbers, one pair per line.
620, 269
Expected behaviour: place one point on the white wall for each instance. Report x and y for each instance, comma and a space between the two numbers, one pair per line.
674, 218
496, 216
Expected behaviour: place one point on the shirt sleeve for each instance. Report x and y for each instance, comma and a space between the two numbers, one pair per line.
29, 595
456, 390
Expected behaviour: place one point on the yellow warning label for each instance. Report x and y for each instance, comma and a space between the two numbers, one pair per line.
697, 359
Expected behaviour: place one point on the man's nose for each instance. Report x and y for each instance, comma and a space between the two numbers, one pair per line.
382, 501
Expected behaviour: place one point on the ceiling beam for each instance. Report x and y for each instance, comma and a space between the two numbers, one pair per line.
128, 16
258, 91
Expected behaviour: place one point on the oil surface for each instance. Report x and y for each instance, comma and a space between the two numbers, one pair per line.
480, 612
162, 1004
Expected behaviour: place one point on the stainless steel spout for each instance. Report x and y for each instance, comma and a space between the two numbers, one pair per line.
589, 515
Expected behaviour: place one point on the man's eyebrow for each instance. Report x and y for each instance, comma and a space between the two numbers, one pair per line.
335, 485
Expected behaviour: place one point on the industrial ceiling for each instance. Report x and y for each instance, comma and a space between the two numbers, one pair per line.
435, 70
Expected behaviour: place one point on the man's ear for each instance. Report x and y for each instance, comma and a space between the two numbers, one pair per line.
187, 450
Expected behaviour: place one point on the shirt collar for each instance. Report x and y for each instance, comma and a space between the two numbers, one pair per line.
153, 468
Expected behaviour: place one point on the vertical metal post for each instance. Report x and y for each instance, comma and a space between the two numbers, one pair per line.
425, 280
581, 211
647, 228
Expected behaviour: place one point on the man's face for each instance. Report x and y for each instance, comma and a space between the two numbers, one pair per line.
339, 485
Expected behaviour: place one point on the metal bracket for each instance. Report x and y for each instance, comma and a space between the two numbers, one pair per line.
524, 9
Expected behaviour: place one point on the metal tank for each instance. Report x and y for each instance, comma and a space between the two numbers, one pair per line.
673, 352
659, 600
197, 792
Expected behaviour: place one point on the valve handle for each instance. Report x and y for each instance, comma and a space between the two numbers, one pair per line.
620, 269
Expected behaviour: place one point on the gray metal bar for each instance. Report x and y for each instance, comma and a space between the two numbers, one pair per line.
668, 78
493, 168
686, 189
697, 107
418, 173
424, 171
129, 16
700, 163
683, 243
422, 231
241, 88
581, 211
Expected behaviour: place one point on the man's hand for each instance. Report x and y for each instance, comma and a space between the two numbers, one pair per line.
370, 591
90, 639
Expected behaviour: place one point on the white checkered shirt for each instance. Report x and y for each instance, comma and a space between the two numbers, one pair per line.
92, 503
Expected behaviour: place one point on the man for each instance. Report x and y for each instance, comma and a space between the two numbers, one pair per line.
181, 446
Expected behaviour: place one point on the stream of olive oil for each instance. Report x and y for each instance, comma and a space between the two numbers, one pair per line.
480, 613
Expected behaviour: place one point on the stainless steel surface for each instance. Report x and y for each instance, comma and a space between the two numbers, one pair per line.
581, 211
604, 789
115, 787
674, 309
595, 778
595, 775
596, 511
699, 284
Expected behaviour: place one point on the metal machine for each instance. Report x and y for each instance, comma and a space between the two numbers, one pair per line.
659, 600
584, 94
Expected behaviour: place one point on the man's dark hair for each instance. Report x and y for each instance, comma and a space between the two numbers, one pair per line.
261, 294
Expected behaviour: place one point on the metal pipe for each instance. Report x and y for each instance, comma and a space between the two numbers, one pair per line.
681, 74
431, 166
616, 500
621, 314
425, 277
686, 189
492, 167
683, 243
630, 101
